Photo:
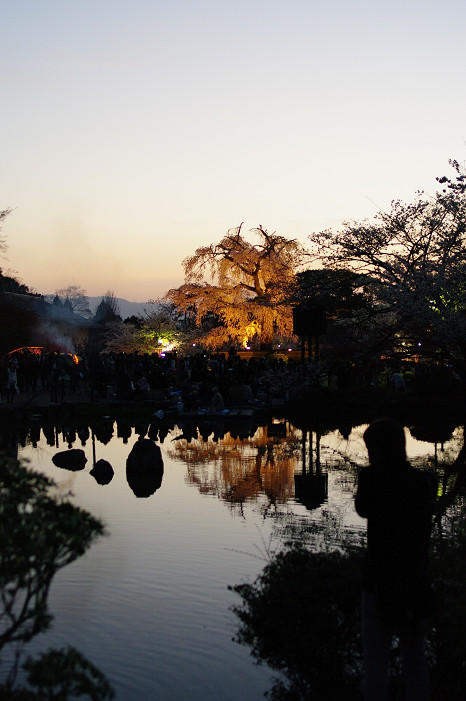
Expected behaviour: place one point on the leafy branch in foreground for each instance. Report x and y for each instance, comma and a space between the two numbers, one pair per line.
40, 534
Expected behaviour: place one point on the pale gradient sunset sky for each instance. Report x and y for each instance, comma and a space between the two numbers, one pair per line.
135, 131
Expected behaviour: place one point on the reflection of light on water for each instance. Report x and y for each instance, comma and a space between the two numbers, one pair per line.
354, 449
417, 449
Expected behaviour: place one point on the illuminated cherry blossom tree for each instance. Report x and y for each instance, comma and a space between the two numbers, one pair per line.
235, 291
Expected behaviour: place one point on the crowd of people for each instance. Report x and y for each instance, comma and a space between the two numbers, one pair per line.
212, 378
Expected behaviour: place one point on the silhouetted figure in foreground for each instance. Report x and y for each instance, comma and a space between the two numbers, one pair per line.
397, 501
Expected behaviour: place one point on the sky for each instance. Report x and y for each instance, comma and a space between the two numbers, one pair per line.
135, 132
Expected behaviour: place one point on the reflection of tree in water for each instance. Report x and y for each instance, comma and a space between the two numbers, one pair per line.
40, 534
240, 470
453, 476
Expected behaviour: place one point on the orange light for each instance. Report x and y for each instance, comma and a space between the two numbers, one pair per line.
75, 358
31, 349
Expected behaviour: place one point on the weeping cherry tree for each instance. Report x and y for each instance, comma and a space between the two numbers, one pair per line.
235, 290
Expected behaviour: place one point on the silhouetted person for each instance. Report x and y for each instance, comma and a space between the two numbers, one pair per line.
397, 381
3, 378
12, 382
397, 501
217, 400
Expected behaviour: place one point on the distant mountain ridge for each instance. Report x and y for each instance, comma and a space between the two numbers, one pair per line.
126, 308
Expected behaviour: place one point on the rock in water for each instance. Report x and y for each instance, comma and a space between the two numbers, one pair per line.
144, 468
102, 472
73, 459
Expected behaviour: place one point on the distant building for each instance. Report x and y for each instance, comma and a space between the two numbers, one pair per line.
28, 320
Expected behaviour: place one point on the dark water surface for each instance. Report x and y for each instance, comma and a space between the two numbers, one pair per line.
149, 604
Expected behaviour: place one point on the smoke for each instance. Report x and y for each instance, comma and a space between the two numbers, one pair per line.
52, 338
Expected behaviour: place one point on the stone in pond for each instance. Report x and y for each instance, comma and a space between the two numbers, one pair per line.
73, 459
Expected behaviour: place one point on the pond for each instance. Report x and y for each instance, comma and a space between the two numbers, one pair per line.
149, 604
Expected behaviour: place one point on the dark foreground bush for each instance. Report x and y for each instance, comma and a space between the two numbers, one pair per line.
301, 617
448, 625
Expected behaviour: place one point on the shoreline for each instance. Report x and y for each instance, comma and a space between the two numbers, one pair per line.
321, 409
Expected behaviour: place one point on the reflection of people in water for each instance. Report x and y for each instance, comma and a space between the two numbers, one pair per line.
124, 430
84, 434
144, 468
103, 431
397, 501
49, 433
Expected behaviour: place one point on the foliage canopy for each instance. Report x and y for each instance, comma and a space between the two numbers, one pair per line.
415, 256
244, 295
108, 309
3, 244
154, 332
75, 299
